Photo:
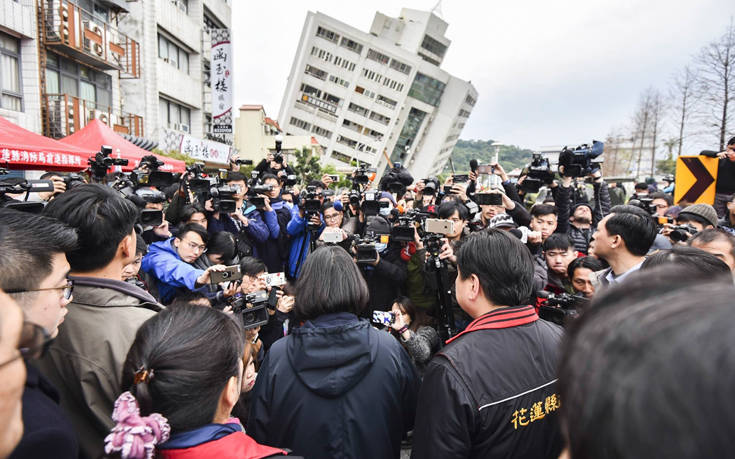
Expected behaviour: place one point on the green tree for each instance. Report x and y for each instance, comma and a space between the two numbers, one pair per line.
509, 156
307, 166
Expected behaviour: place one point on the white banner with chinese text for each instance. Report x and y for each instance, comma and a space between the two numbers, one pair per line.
221, 81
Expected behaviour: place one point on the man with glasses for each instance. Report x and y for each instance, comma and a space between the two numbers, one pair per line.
86, 358
33, 271
170, 262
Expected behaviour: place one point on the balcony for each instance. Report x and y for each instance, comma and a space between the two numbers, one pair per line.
75, 32
65, 114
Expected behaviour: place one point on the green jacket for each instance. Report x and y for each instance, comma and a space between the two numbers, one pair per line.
85, 360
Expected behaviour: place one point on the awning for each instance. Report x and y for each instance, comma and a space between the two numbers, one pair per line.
26, 150
96, 133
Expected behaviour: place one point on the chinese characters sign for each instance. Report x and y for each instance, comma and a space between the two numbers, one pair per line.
42, 159
221, 80
205, 150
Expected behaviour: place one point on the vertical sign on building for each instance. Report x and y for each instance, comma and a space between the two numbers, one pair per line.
221, 78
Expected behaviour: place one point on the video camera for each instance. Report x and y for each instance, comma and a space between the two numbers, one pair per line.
251, 308
579, 161
101, 162
254, 192
396, 180
73, 180
560, 308
538, 173
366, 252
16, 186
371, 205
361, 176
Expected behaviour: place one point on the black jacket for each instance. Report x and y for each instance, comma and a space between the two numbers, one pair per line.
386, 280
491, 391
337, 388
47, 431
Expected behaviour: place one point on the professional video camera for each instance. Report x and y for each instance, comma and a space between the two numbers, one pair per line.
644, 203
73, 180
251, 308
253, 195
538, 173
101, 162
372, 204
361, 176
560, 308
405, 230
396, 180
18, 186
366, 252
244, 162
579, 161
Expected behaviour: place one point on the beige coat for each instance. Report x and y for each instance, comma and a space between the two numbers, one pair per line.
85, 360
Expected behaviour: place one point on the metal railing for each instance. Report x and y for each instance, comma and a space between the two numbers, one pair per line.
89, 39
65, 114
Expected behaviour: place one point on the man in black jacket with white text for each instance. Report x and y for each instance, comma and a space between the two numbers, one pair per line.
491, 392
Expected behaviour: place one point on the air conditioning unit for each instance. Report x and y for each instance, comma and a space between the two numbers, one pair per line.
181, 127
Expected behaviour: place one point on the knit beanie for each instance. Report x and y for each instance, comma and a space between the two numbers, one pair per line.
702, 210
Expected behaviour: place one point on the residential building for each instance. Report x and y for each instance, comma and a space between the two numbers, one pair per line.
140, 66
255, 135
373, 96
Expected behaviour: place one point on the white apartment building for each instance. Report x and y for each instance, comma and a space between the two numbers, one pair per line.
367, 97
140, 66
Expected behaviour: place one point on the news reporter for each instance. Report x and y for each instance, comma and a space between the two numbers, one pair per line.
356, 377
412, 327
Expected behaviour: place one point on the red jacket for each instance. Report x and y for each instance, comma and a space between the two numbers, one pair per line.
235, 445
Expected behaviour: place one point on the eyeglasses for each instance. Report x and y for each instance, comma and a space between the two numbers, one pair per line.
68, 289
202, 248
331, 217
34, 340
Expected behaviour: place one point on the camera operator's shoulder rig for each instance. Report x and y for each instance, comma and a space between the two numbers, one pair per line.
560, 308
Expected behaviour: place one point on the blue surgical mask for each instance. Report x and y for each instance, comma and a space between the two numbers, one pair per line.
288, 204
380, 246
385, 211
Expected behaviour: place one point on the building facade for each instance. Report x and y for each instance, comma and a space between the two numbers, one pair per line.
141, 66
379, 96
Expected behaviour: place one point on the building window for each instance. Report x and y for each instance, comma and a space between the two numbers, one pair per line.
400, 66
64, 76
327, 34
183, 5
351, 45
434, 46
173, 115
393, 84
408, 134
380, 118
321, 54
301, 124
173, 54
427, 89
206, 73
320, 131
339, 81
310, 90
344, 63
211, 23
357, 109
364, 92
99, 9
346, 141
316, 72
11, 94
378, 57
463, 113
371, 75
390, 103
341, 157
470, 101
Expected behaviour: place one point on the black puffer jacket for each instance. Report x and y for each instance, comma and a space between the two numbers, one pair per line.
336, 387
491, 392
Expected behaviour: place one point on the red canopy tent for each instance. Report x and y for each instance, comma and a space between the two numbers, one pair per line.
23, 149
96, 133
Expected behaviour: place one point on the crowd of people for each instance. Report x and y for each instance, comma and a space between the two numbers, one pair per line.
478, 317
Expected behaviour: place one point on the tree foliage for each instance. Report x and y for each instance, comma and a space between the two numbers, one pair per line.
307, 166
509, 156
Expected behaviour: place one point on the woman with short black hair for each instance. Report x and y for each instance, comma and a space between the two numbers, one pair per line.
336, 386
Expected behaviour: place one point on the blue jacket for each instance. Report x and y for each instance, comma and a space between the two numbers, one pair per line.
274, 252
257, 230
300, 241
171, 273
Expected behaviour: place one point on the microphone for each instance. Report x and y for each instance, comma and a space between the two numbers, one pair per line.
473, 165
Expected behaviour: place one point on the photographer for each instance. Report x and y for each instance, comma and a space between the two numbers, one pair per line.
245, 223
582, 271
661, 202
275, 165
412, 327
333, 225
59, 186
691, 220
302, 231
170, 263
194, 213
274, 250
514, 209
579, 225
386, 276
725, 186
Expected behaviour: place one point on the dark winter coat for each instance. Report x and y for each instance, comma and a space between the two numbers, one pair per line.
491, 392
47, 431
337, 388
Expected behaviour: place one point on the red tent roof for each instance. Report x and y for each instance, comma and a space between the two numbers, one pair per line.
23, 149
96, 133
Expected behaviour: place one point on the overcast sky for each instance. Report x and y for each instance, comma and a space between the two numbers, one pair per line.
548, 73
